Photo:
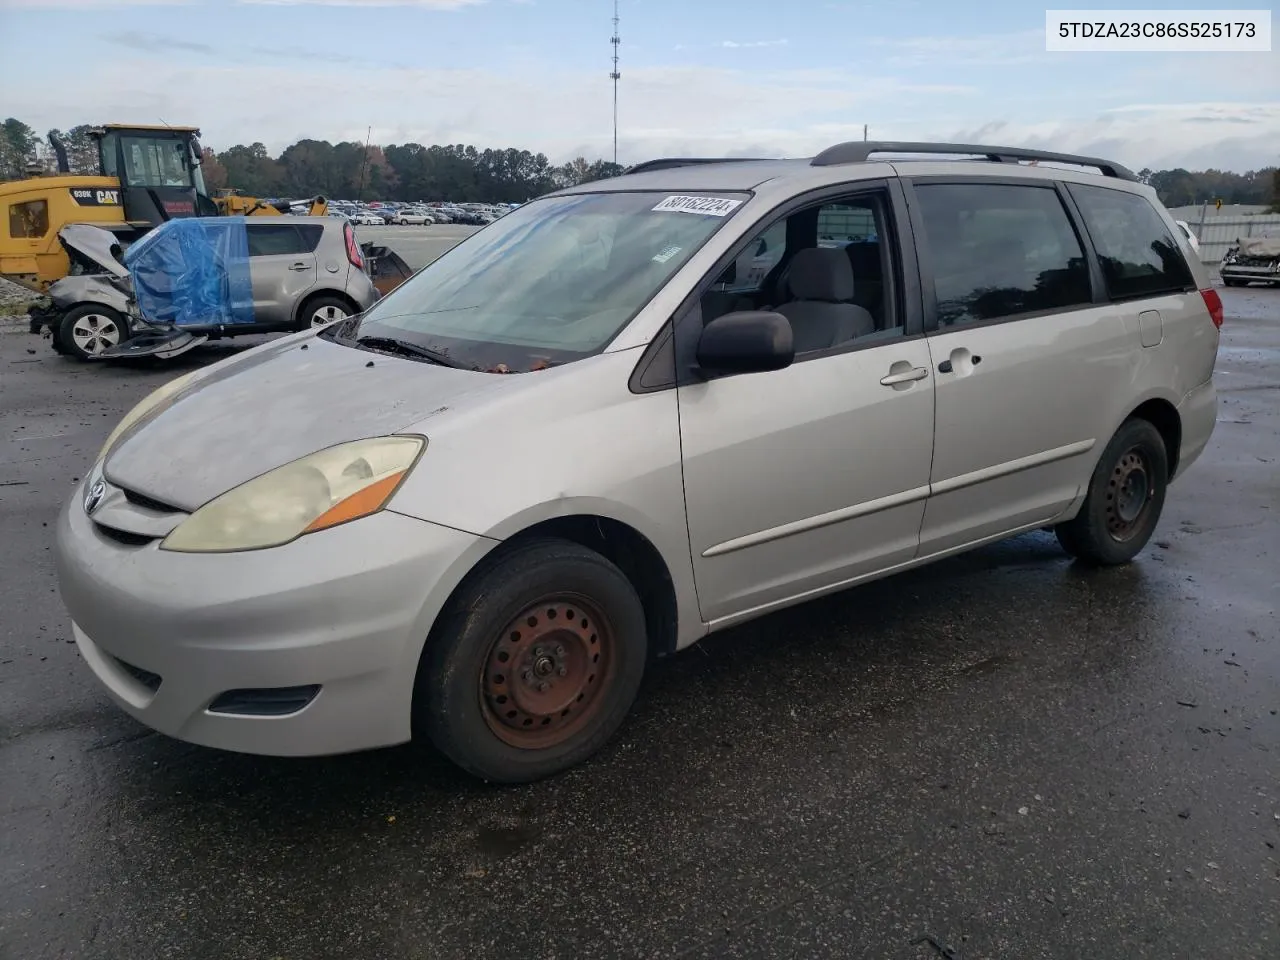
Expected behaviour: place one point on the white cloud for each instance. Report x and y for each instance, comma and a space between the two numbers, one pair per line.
1160, 136
429, 4
43, 5
751, 44
985, 50
663, 110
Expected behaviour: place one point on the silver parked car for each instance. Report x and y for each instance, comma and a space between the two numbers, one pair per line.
580, 439
411, 217
307, 271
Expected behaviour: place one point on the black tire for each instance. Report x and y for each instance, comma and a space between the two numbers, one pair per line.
1231, 282
321, 306
1126, 495
75, 331
461, 677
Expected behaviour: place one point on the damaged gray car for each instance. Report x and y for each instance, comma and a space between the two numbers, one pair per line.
1252, 259
304, 272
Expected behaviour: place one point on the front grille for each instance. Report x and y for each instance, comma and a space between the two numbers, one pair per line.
265, 701
148, 503
145, 677
123, 536
1253, 262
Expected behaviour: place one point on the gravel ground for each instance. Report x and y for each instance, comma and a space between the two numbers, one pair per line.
12, 295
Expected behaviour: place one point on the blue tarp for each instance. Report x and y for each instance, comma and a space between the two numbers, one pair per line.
193, 272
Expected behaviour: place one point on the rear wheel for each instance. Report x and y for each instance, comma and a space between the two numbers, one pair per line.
87, 330
323, 311
534, 664
1125, 498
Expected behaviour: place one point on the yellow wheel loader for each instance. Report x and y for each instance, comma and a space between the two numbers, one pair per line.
147, 175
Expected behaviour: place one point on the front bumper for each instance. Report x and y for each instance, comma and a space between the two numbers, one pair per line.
347, 608
1251, 271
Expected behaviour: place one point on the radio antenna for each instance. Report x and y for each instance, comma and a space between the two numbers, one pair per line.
615, 77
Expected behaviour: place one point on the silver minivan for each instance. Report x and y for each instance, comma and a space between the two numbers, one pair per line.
604, 427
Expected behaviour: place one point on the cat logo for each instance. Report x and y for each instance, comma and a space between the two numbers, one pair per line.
87, 197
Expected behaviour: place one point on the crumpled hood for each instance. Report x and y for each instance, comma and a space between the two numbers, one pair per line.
278, 403
100, 246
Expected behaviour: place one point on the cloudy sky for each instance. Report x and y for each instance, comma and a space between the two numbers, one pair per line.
698, 76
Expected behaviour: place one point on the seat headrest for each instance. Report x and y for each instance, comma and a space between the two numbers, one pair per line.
821, 274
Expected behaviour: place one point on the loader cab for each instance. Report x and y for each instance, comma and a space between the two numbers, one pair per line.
158, 169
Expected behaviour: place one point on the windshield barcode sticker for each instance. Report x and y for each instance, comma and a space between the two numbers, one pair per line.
707, 206
666, 254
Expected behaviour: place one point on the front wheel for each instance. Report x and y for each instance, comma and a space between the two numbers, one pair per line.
89, 329
1232, 282
1126, 495
534, 664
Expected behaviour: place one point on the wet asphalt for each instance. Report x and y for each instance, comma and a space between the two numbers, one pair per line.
1002, 756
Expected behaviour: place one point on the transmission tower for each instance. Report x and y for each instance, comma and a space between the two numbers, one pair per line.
615, 77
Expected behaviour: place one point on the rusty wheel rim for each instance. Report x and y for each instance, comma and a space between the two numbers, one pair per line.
1129, 491
547, 673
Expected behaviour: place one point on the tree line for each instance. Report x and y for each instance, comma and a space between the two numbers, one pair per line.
1183, 188
413, 171
347, 170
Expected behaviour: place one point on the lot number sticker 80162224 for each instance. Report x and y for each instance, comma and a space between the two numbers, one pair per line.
706, 206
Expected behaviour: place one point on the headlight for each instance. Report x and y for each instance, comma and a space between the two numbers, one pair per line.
324, 489
151, 402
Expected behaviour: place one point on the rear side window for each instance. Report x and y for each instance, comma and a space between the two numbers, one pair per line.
1139, 256
309, 234
1001, 251
275, 239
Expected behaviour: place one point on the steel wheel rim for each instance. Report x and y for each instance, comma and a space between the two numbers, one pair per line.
546, 676
95, 332
1129, 493
327, 315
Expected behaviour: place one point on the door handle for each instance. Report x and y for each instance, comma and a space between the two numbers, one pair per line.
915, 373
298, 266
946, 367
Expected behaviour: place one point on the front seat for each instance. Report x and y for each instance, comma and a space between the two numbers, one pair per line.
821, 285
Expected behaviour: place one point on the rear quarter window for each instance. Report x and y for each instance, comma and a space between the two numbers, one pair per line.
1139, 256
309, 235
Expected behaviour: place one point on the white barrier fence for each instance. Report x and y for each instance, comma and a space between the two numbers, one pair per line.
1219, 234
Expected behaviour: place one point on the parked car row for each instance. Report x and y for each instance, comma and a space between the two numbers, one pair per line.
418, 214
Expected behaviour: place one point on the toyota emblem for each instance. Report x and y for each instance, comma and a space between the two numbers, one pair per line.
94, 496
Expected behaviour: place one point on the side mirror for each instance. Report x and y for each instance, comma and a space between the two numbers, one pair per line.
748, 341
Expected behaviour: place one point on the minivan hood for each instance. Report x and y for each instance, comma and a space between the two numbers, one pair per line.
275, 404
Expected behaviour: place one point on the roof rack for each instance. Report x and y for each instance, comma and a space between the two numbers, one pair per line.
667, 163
859, 151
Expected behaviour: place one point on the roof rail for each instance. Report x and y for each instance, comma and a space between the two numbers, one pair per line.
667, 163
858, 152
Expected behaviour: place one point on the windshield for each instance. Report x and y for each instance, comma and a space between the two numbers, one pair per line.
550, 282
156, 162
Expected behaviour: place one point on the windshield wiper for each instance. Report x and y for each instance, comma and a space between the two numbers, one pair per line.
409, 349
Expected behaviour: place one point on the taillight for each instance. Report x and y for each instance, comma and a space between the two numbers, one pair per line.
353, 252
1213, 303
